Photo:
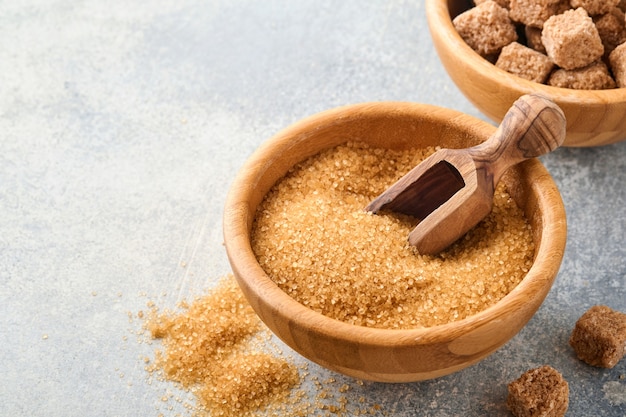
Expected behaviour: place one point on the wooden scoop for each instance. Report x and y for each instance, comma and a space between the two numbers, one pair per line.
452, 190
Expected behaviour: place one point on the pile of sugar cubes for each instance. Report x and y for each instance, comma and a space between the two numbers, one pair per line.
579, 44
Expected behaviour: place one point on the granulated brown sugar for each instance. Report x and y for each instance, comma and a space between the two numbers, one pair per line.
210, 348
313, 238
245, 383
217, 349
208, 329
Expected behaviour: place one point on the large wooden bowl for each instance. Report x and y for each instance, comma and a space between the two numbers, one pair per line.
594, 117
380, 354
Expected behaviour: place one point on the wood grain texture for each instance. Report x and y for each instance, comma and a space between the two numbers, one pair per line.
379, 354
594, 117
452, 190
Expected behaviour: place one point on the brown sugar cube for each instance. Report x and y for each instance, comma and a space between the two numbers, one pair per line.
539, 392
572, 40
525, 62
617, 60
536, 12
611, 28
599, 337
592, 77
486, 28
622, 5
533, 39
501, 3
595, 7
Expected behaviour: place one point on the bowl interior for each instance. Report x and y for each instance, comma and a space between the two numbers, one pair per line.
380, 354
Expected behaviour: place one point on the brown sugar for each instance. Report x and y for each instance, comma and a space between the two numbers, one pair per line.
574, 36
617, 60
208, 347
572, 40
599, 337
217, 349
245, 383
611, 28
209, 328
525, 62
501, 3
593, 77
535, 12
486, 28
540, 392
595, 7
315, 241
533, 39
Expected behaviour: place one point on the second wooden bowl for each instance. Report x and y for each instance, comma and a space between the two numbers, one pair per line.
594, 117
381, 354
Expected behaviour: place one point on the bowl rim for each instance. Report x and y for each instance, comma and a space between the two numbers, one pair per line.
440, 24
237, 224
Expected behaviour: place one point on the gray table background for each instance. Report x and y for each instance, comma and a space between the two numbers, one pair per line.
122, 124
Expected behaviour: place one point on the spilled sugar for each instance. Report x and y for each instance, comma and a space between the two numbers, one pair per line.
210, 347
216, 348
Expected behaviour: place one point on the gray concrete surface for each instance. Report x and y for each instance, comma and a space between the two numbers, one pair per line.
122, 124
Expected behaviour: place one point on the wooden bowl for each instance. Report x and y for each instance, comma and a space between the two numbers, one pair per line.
594, 117
385, 354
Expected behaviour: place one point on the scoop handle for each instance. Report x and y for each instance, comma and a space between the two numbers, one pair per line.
532, 127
